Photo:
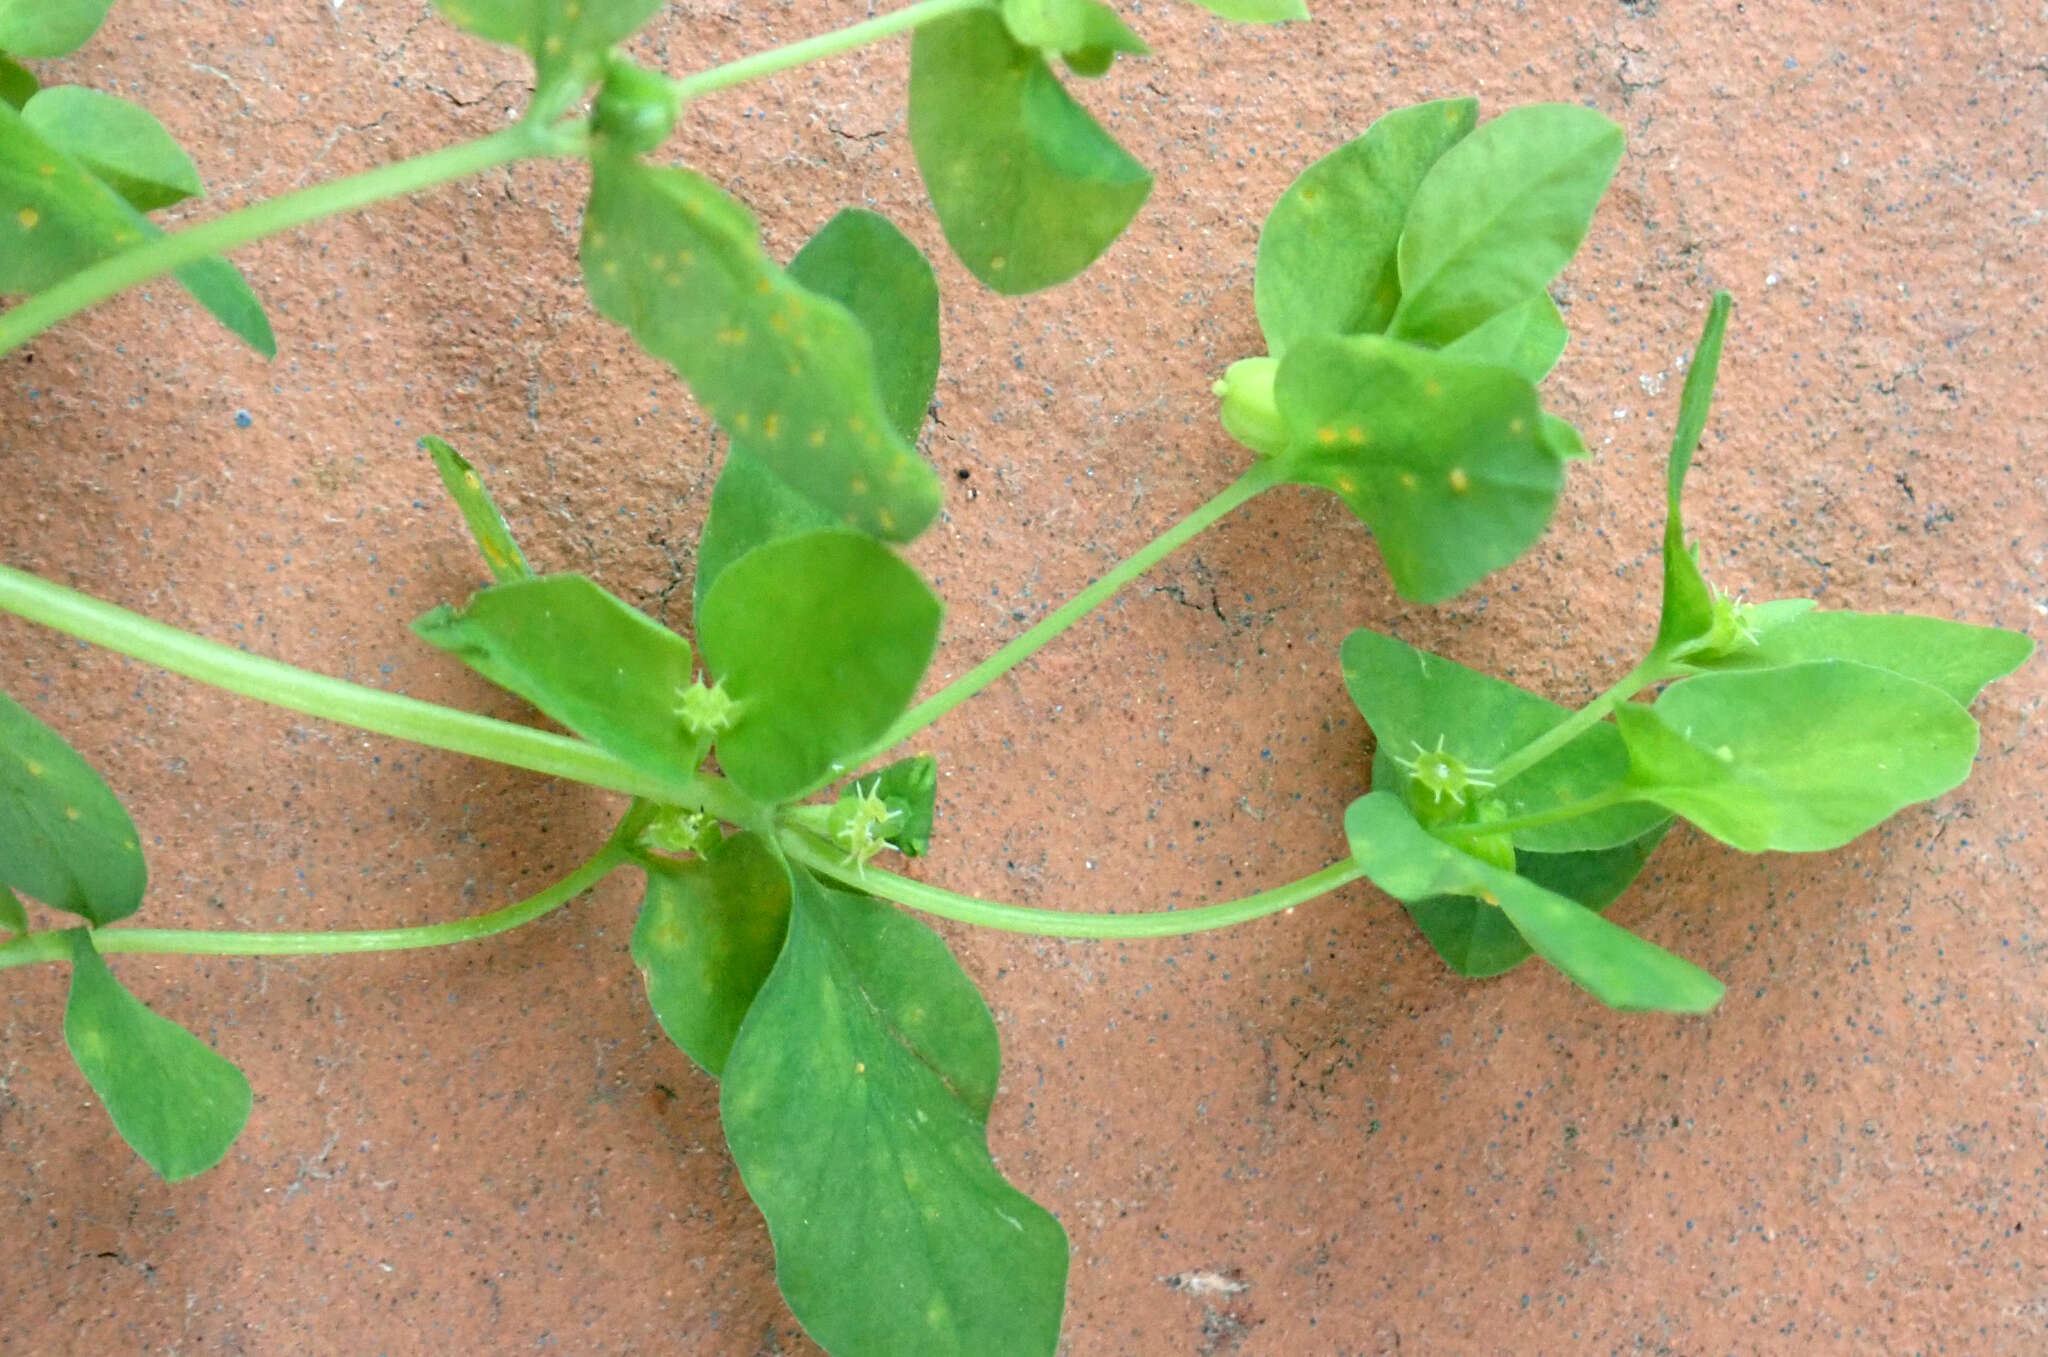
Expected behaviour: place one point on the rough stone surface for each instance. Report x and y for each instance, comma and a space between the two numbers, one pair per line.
1304, 1136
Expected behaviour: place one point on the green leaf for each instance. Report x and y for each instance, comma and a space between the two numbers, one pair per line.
1087, 34
750, 505
908, 787
13, 917
1615, 966
18, 83
1476, 940
1256, 11
1955, 657
1799, 759
1687, 617
64, 837
487, 525
177, 1103
790, 375
1527, 339
589, 660
1499, 216
126, 147
565, 38
856, 1104
1415, 701
1028, 187
1327, 253
708, 935
1562, 438
860, 260
39, 29
822, 639
1440, 457
56, 218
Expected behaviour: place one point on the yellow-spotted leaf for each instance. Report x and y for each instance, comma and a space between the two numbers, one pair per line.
790, 375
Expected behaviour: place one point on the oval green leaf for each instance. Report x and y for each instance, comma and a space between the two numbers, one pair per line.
860, 260
563, 37
39, 29
1612, 964
1416, 701
709, 932
64, 837
1499, 216
750, 506
125, 146
1956, 657
791, 375
1476, 940
586, 658
856, 1103
56, 218
18, 83
1442, 458
822, 639
177, 1103
1798, 759
493, 537
1527, 339
1327, 253
1028, 187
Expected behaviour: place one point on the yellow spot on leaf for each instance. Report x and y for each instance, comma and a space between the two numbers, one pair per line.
817, 438
860, 1067
553, 44
1345, 485
657, 262
611, 268
996, 263
1326, 437
28, 217
1516, 425
886, 519
1408, 480
742, 421
469, 479
858, 485
856, 423
772, 425
71, 812
597, 240
732, 336
1432, 388
763, 286
1460, 482
1356, 435
34, 769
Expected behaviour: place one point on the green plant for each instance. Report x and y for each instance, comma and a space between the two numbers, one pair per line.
1401, 288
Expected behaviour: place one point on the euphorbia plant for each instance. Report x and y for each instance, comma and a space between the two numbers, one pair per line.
1401, 286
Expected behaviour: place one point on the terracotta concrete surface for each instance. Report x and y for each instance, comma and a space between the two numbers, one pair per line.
1302, 1137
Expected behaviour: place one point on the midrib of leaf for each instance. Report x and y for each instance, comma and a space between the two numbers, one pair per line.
845, 963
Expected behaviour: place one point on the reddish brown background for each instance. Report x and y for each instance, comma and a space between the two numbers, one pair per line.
1302, 1137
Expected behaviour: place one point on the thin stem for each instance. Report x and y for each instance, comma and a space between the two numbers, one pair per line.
1258, 479
1054, 923
1651, 670
94, 284
351, 704
1534, 820
49, 946
824, 45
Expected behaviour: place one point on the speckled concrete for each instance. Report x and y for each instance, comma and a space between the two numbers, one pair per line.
1304, 1137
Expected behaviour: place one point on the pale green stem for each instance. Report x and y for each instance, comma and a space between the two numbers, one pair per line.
824, 45
351, 704
50, 945
1478, 829
1260, 478
1651, 670
95, 283
1054, 923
